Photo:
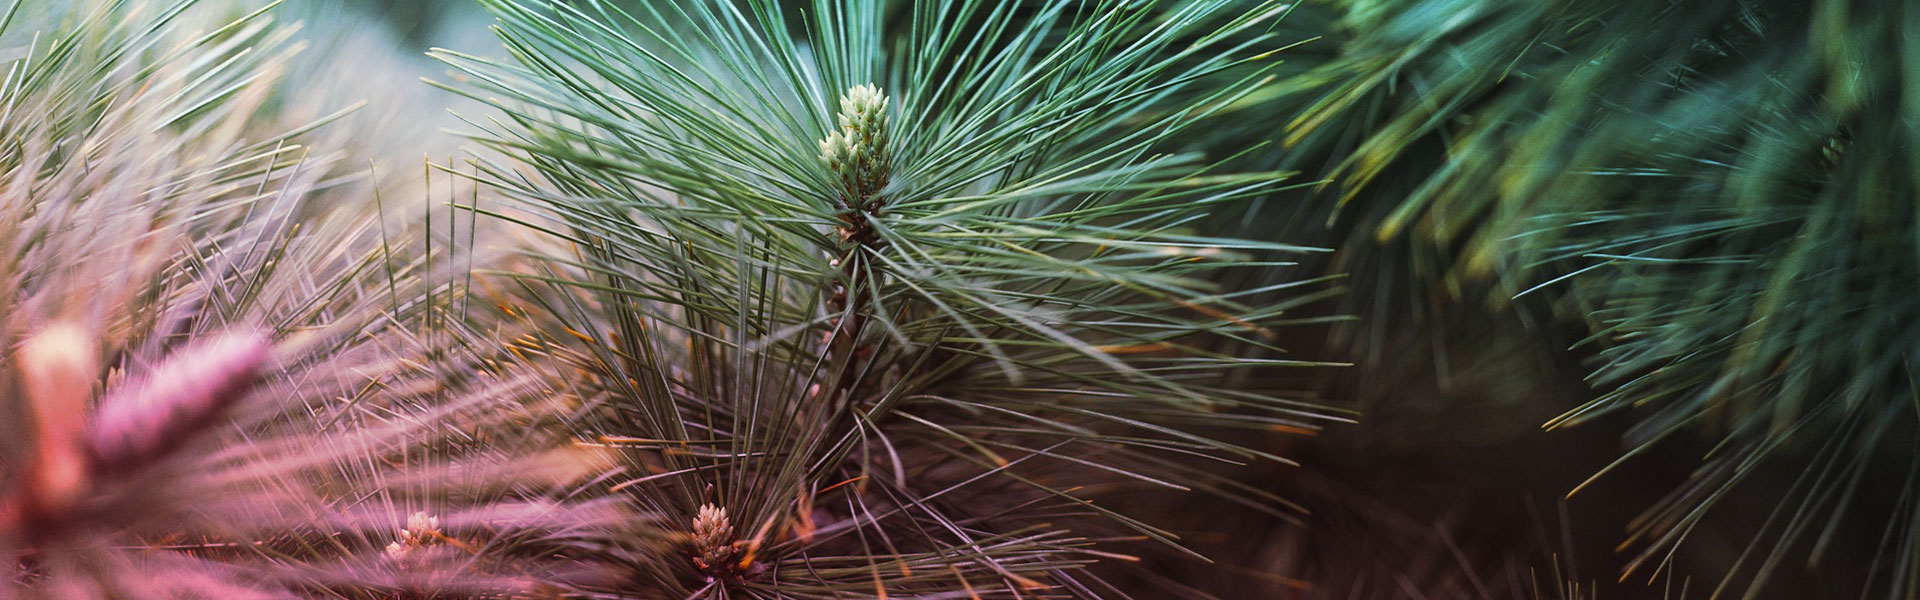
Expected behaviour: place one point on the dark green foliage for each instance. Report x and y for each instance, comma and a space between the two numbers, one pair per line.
898, 336
1724, 192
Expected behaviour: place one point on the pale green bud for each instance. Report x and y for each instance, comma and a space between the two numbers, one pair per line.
858, 151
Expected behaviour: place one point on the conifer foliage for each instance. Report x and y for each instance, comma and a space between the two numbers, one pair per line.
879, 307
1721, 192
215, 386
840, 299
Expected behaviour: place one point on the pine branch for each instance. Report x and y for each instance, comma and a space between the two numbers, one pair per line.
1705, 187
894, 343
230, 388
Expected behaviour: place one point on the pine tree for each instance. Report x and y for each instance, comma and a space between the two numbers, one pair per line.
1717, 191
883, 306
215, 384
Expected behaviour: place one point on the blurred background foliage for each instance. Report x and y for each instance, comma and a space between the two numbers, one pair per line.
1671, 242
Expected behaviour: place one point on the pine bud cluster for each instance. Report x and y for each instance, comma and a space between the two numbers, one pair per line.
714, 550
422, 530
858, 151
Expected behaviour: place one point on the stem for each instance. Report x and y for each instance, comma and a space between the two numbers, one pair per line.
857, 152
